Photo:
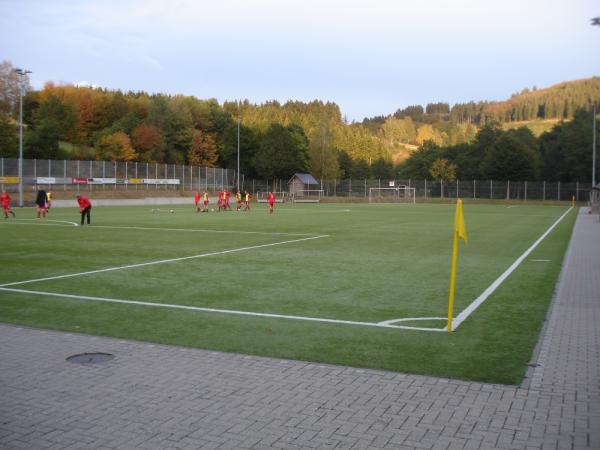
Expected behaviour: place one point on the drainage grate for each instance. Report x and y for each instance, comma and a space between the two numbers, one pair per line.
90, 358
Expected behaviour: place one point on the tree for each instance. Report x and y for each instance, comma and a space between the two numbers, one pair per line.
360, 170
115, 147
203, 151
42, 141
417, 166
148, 142
322, 153
282, 152
9, 144
62, 114
382, 169
229, 148
511, 158
442, 169
345, 163
566, 149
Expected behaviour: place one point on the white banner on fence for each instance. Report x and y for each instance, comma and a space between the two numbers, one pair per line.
161, 181
45, 180
102, 181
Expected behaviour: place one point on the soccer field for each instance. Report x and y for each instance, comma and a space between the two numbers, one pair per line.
357, 284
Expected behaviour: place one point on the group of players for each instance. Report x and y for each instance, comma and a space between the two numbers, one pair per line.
43, 202
222, 201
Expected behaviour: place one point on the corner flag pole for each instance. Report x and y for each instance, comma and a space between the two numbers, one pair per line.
459, 232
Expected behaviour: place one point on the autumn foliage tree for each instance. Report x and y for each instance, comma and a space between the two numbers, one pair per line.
115, 147
148, 142
203, 151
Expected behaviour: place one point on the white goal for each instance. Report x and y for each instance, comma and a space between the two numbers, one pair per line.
307, 196
280, 197
399, 194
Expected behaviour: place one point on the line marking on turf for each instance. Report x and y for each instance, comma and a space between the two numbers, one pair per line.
39, 222
541, 260
216, 310
164, 261
492, 287
188, 230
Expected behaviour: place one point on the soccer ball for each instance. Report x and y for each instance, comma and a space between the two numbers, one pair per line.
172, 211
212, 209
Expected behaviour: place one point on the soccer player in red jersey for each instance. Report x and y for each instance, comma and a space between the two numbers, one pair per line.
5, 200
247, 202
85, 208
197, 201
238, 198
205, 201
271, 200
227, 195
41, 203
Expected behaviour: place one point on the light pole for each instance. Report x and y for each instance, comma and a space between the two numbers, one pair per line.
238, 146
21, 73
594, 146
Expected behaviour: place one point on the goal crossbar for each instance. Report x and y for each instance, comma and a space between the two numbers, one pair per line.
398, 194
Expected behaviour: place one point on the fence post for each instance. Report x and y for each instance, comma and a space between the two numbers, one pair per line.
425, 188
491, 190
65, 173
474, 187
457, 188
544, 191
349, 186
441, 189
558, 195
366, 186
507, 189
577, 190
526, 191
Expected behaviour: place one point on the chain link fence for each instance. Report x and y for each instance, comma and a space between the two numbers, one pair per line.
119, 175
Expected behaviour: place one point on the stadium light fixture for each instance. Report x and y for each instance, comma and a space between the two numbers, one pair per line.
21, 73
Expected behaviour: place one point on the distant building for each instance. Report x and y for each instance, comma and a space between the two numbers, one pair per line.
302, 182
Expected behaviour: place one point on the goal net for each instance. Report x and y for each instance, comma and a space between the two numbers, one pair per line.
280, 197
399, 194
307, 196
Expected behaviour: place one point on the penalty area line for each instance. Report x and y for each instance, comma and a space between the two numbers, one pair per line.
492, 287
215, 310
162, 261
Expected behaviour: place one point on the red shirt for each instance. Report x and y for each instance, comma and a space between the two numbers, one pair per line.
271, 198
5, 199
83, 202
197, 197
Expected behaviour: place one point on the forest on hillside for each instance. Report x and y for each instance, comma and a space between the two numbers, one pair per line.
276, 140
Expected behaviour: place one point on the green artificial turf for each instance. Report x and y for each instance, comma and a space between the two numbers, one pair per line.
351, 262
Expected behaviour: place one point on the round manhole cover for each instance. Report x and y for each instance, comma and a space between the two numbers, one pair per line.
90, 358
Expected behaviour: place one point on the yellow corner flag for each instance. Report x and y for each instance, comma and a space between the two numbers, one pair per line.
459, 232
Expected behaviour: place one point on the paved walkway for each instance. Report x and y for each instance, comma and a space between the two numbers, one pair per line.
159, 397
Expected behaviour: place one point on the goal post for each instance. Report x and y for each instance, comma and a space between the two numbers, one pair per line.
307, 196
398, 194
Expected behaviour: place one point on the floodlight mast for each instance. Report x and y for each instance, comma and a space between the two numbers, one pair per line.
594, 146
21, 73
238, 146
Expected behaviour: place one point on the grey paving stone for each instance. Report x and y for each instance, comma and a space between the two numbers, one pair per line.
162, 397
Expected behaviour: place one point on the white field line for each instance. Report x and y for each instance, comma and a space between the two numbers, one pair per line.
55, 223
492, 287
215, 310
187, 230
163, 261
192, 230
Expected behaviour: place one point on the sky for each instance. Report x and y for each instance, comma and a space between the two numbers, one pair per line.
371, 57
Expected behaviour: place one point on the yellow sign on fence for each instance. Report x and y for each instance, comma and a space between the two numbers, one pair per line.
9, 180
